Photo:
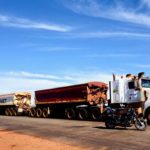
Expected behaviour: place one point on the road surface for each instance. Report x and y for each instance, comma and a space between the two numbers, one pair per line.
88, 135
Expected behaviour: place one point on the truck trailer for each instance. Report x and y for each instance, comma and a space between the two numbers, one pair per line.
15, 103
77, 101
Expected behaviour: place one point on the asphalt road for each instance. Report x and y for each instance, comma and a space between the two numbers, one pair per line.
87, 134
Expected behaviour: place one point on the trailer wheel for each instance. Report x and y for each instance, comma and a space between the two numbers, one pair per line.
45, 113
83, 114
32, 112
70, 113
95, 114
39, 112
13, 111
7, 112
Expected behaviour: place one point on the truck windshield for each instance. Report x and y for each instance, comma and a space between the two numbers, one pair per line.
131, 85
145, 83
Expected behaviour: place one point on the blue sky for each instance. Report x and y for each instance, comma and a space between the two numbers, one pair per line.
49, 43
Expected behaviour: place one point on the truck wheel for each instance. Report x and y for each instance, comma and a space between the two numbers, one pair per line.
95, 114
39, 112
13, 111
45, 113
83, 114
70, 113
148, 116
7, 112
32, 112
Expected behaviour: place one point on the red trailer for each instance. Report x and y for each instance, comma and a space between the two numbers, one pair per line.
80, 100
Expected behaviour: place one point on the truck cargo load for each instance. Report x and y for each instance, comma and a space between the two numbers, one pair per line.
91, 93
14, 103
74, 101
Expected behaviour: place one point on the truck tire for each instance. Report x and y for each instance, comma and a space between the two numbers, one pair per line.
32, 112
10, 111
39, 112
7, 112
70, 113
45, 113
83, 114
13, 111
148, 116
95, 114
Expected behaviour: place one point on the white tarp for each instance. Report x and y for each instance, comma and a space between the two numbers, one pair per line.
7, 99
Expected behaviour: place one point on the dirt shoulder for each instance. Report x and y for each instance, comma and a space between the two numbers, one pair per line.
14, 141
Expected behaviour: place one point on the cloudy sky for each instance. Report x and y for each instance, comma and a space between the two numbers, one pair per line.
51, 43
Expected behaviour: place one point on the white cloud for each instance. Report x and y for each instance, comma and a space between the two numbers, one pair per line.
26, 23
98, 34
30, 75
93, 76
118, 11
88, 75
103, 34
11, 84
115, 55
143, 65
146, 2
3, 18
14, 81
57, 49
138, 18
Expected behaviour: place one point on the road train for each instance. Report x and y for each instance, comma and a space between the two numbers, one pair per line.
82, 101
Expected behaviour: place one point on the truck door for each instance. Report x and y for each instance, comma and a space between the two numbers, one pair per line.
117, 91
132, 94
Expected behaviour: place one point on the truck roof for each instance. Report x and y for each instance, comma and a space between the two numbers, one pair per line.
16, 93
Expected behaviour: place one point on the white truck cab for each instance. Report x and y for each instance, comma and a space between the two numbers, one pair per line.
132, 90
146, 87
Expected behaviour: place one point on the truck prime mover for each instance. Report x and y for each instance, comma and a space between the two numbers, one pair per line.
132, 91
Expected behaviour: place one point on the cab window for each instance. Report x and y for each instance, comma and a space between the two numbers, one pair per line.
131, 85
145, 83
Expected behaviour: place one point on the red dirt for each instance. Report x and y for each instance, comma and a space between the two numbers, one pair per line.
15, 141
